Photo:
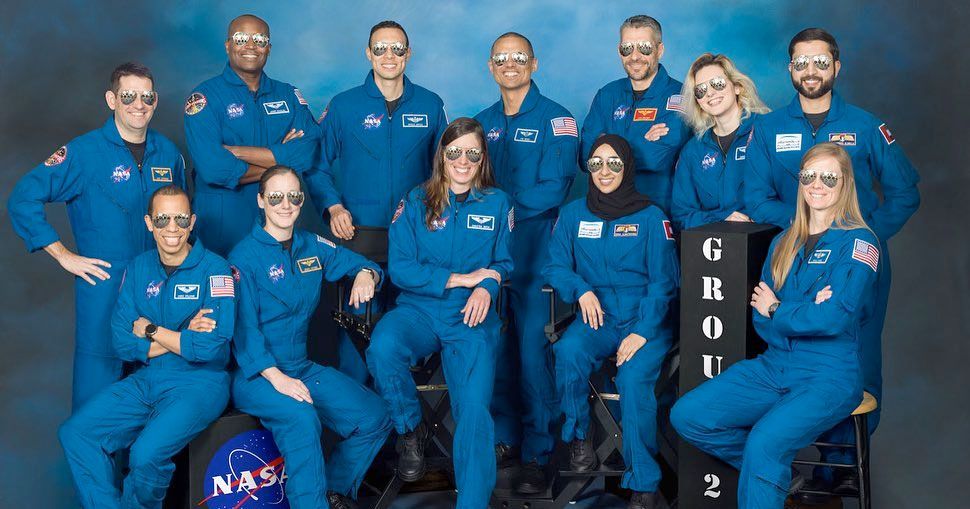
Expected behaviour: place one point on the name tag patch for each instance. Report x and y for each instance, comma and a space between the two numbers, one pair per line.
626, 230
788, 142
590, 230
844, 139
311, 264
186, 292
645, 115
477, 222
276, 108
820, 256
161, 174
526, 135
414, 120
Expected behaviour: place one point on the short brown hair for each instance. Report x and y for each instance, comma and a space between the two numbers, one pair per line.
130, 69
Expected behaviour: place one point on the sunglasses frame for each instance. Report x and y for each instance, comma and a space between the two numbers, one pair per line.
399, 49
638, 46
250, 37
500, 59
614, 163
701, 89
829, 178
467, 152
147, 96
296, 198
822, 62
181, 220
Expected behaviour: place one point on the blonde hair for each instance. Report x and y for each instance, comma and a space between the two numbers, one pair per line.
848, 215
699, 120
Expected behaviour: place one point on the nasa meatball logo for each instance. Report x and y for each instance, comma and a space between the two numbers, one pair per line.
494, 134
620, 112
709, 160
235, 110
153, 289
373, 121
120, 174
275, 272
247, 472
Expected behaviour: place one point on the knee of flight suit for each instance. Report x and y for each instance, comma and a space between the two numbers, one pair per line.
687, 417
147, 462
762, 453
635, 384
299, 425
71, 434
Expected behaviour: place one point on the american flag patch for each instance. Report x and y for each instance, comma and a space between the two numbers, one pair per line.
511, 218
299, 96
668, 230
221, 286
564, 126
675, 103
866, 253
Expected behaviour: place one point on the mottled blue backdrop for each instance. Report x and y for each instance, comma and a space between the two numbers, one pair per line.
905, 61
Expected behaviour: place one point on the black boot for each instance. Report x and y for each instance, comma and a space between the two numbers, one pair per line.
506, 455
643, 500
338, 501
812, 499
410, 449
582, 456
531, 479
846, 484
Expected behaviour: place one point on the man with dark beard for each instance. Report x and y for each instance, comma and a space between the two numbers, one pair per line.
644, 107
818, 114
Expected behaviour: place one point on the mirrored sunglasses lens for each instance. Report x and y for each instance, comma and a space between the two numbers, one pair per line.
594, 165
645, 48
474, 155
806, 177
520, 58
452, 153
830, 179
274, 199
148, 98
260, 40
800, 63
161, 221
296, 198
718, 84
399, 49
378, 49
700, 91
240, 38
822, 62
182, 221
615, 165
626, 49
500, 58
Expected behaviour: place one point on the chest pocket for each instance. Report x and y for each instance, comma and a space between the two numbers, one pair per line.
279, 114
185, 298
523, 161
479, 229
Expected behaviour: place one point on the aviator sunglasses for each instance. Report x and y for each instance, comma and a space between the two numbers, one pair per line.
181, 220
453, 153
276, 197
241, 38
829, 178
595, 164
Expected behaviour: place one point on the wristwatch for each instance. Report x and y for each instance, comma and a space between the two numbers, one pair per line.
772, 308
373, 274
150, 331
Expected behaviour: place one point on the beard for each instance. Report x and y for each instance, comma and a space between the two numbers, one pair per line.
823, 88
648, 71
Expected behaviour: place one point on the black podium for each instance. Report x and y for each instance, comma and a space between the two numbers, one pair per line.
720, 266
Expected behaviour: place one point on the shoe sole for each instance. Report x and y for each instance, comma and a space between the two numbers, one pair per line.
412, 478
531, 490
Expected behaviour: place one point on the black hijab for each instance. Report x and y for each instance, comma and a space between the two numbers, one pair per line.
625, 200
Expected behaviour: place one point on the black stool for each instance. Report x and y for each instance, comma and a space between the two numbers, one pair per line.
860, 423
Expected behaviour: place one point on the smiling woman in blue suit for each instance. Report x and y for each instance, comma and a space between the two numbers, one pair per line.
280, 270
810, 305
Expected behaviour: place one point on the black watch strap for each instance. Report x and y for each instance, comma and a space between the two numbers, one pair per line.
150, 331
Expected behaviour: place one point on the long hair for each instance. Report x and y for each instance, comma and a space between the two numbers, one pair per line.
848, 215
436, 188
699, 120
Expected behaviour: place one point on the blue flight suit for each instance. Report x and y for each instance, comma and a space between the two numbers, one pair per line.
630, 264
369, 159
533, 154
223, 111
615, 111
107, 194
708, 182
278, 293
759, 413
470, 235
169, 399
771, 183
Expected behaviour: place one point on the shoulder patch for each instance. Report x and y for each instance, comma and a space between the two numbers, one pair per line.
668, 230
866, 253
236, 275
222, 286
512, 219
887, 134
564, 126
323, 240
324, 114
398, 211
299, 97
195, 103
675, 103
57, 157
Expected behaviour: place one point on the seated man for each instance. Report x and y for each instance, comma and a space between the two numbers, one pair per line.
174, 319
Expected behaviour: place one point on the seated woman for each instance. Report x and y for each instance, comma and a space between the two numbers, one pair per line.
280, 270
448, 252
707, 182
614, 252
758, 413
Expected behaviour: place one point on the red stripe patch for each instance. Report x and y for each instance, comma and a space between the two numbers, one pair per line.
887, 134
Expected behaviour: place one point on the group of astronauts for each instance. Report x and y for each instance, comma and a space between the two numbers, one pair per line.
178, 287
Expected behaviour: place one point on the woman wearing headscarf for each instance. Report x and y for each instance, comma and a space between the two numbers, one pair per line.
614, 253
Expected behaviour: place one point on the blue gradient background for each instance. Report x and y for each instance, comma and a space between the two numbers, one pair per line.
905, 61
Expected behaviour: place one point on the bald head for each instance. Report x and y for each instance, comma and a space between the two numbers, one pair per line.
514, 35
247, 20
